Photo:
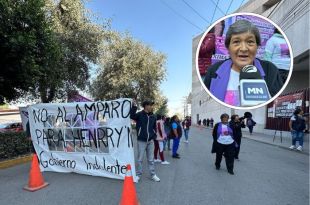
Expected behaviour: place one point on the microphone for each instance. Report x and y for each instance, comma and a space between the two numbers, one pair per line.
253, 89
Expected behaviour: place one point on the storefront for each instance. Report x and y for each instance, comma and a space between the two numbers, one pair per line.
280, 111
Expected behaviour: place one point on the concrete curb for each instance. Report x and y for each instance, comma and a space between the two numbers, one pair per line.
8, 113
13, 162
275, 145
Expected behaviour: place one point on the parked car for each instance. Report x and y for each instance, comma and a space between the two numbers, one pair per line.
11, 127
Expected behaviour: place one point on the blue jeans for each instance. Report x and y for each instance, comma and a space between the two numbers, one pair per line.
297, 136
186, 134
176, 142
165, 142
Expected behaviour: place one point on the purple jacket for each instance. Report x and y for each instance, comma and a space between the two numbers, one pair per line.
216, 133
218, 85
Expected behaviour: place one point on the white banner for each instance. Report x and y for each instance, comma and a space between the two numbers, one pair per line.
91, 138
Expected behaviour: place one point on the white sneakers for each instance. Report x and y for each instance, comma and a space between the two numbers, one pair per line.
165, 162
155, 178
162, 162
292, 147
299, 148
185, 141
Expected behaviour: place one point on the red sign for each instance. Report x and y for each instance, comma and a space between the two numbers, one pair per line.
284, 106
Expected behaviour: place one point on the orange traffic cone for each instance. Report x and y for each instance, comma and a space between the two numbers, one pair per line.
129, 196
36, 180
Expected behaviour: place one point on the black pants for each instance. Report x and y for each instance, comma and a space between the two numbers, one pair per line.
250, 129
237, 149
229, 153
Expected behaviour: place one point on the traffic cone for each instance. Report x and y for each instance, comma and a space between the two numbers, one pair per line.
129, 196
36, 180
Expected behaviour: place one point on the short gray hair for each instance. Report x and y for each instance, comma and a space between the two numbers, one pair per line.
242, 26
224, 115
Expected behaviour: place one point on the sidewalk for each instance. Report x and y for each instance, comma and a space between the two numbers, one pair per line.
268, 139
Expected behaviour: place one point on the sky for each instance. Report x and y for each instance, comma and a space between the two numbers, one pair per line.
167, 26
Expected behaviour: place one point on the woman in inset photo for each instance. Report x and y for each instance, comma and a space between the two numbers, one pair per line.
223, 78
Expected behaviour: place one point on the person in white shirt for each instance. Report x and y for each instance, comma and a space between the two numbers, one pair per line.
159, 141
224, 143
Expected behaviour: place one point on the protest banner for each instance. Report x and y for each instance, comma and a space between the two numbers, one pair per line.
92, 138
286, 105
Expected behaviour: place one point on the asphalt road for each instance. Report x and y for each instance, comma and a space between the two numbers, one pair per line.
265, 175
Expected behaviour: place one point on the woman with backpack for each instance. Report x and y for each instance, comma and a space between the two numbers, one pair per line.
297, 126
250, 123
224, 143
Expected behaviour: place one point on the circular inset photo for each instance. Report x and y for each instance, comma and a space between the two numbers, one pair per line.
244, 61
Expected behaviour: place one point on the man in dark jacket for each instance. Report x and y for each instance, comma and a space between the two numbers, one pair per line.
236, 124
146, 133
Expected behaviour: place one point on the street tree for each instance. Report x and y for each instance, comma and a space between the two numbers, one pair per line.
128, 69
46, 47
27, 46
80, 40
162, 109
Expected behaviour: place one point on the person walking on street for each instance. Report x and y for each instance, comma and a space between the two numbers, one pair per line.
159, 142
176, 135
236, 124
146, 133
167, 126
250, 124
204, 122
208, 122
211, 122
297, 126
224, 143
186, 126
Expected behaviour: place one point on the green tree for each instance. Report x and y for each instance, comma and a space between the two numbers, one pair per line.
163, 107
27, 46
80, 40
129, 69
46, 47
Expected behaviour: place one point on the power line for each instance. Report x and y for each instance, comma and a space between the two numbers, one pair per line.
215, 10
241, 4
195, 11
229, 7
273, 9
181, 16
216, 6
